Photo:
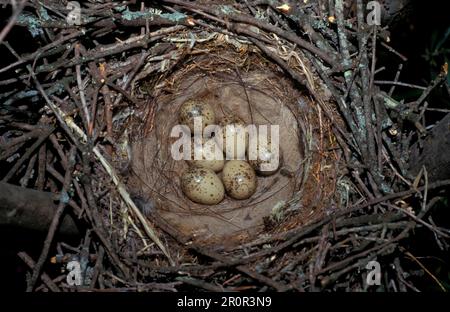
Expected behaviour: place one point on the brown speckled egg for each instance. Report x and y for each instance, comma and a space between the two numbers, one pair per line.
265, 158
229, 119
211, 153
202, 185
239, 179
194, 108
234, 136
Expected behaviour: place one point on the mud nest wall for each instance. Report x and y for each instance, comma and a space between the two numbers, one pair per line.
85, 121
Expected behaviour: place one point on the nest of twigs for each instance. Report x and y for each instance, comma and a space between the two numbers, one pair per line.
109, 90
231, 78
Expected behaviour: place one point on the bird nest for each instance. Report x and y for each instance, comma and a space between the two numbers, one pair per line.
87, 118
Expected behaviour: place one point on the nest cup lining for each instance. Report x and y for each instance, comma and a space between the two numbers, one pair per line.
259, 96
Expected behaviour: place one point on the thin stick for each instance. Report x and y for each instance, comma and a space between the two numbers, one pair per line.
398, 83
27, 154
63, 200
411, 256
44, 277
87, 118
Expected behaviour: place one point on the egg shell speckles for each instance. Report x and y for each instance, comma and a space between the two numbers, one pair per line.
202, 185
239, 179
191, 109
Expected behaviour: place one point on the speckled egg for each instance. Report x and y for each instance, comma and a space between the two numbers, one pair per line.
265, 160
202, 185
239, 179
194, 108
234, 137
212, 156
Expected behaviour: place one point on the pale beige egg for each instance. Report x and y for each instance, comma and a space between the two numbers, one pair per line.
266, 159
233, 137
207, 155
202, 185
239, 179
196, 109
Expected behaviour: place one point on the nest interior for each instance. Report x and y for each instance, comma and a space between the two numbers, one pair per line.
259, 95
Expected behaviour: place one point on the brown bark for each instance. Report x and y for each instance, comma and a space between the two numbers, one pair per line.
433, 152
30, 209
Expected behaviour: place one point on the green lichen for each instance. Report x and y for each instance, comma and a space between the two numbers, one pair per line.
386, 123
64, 197
361, 120
43, 13
33, 95
32, 23
347, 74
58, 88
150, 14
318, 24
120, 8
385, 188
130, 16
390, 102
227, 10
260, 15
175, 17
277, 211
